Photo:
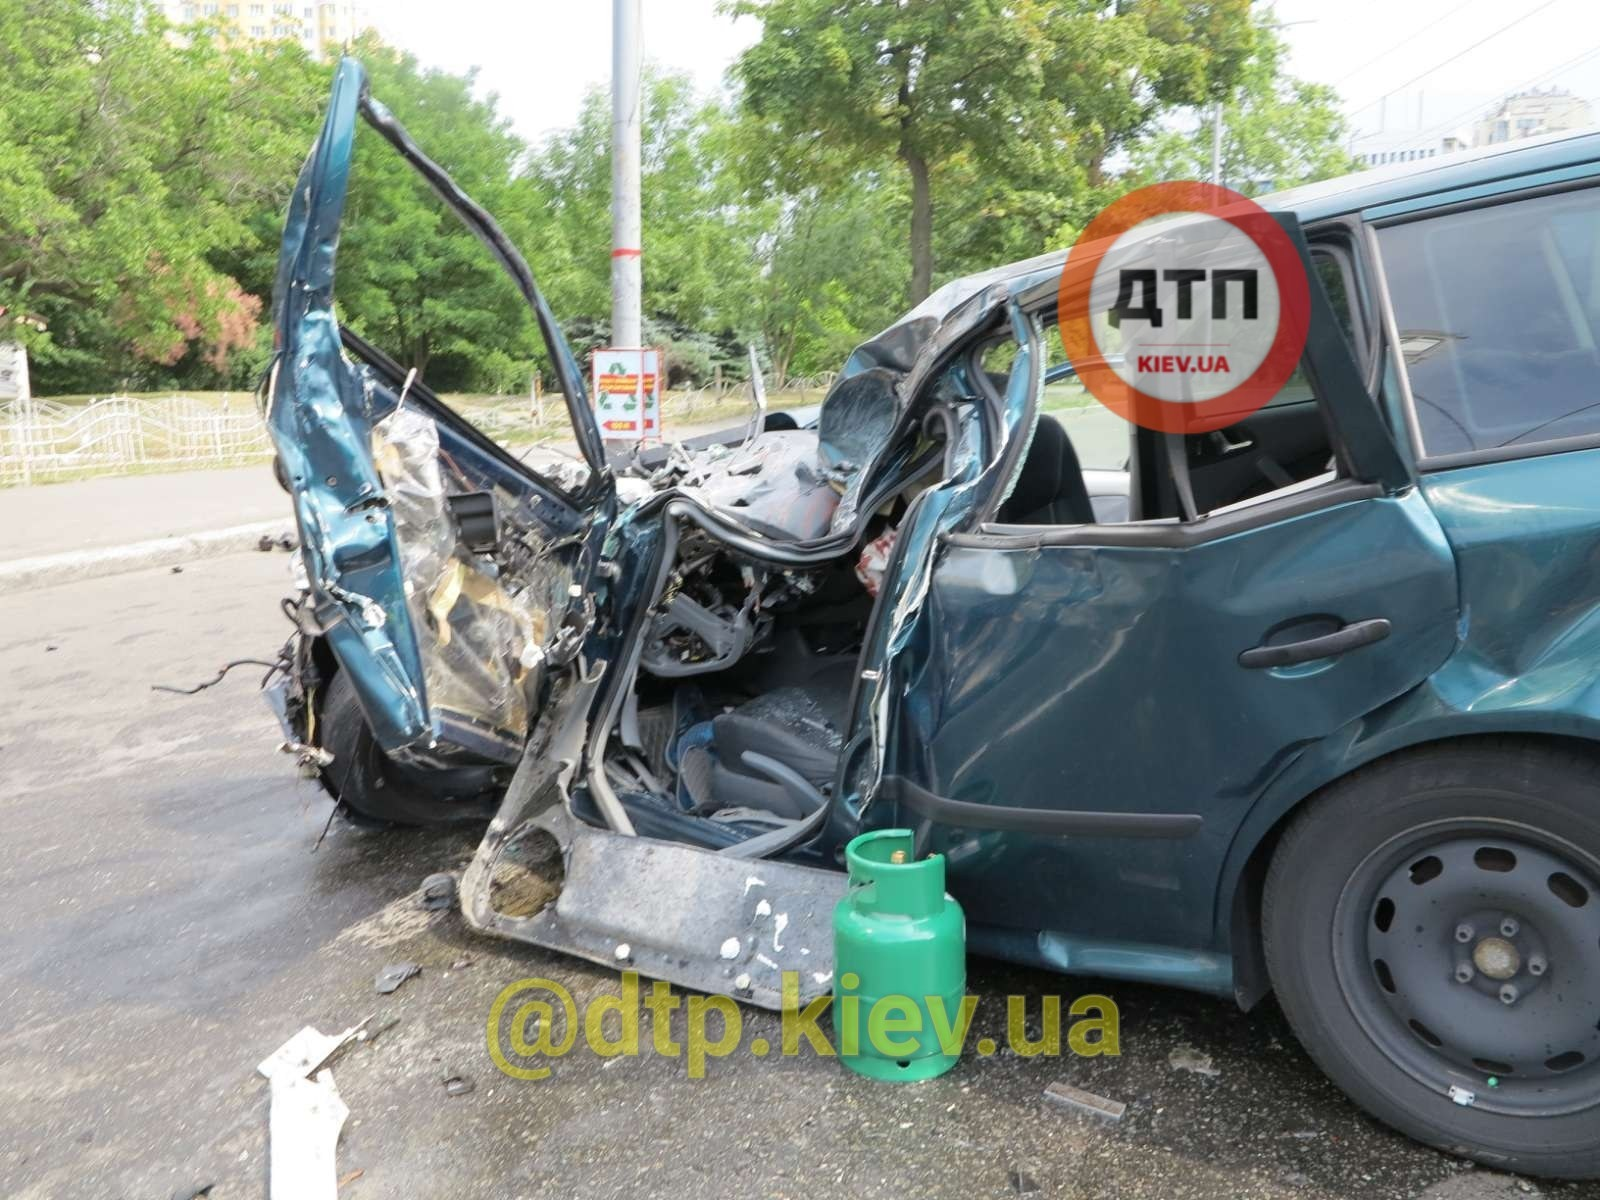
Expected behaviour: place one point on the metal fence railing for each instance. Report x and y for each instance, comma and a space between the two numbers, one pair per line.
44, 440
41, 440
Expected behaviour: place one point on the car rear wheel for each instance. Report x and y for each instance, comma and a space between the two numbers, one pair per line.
376, 789
1432, 930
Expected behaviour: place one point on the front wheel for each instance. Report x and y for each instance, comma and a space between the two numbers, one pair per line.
1432, 930
375, 789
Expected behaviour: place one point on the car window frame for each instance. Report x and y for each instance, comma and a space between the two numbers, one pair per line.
1428, 463
1338, 237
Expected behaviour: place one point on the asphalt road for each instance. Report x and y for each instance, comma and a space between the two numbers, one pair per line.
168, 923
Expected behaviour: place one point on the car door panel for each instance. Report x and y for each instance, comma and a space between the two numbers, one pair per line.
442, 644
1106, 679
1094, 672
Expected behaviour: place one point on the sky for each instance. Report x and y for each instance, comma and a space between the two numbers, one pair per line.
1436, 65
1399, 64
540, 56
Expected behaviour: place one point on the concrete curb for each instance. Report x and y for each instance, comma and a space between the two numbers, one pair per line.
46, 570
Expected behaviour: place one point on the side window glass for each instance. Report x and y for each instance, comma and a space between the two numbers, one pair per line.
1332, 274
1077, 470
1498, 311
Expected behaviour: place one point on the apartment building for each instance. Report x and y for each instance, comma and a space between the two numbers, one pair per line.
1529, 114
315, 24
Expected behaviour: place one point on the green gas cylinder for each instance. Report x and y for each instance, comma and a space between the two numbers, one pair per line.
899, 961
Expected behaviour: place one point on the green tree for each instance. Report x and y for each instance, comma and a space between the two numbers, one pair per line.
145, 171
130, 163
699, 238
1277, 132
832, 270
932, 84
412, 278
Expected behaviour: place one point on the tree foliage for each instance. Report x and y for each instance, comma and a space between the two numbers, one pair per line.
1277, 132
872, 146
1052, 86
412, 278
698, 239
129, 166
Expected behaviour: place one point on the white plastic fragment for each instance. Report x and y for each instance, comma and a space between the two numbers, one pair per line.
302, 1054
730, 948
1463, 1097
306, 1116
623, 951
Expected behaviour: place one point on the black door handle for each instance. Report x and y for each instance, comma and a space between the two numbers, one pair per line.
1352, 637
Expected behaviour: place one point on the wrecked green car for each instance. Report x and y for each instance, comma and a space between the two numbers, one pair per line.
1308, 705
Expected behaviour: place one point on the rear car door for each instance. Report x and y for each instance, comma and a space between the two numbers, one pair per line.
1083, 714
444, 573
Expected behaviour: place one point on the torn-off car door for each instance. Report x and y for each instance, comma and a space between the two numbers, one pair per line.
447, 577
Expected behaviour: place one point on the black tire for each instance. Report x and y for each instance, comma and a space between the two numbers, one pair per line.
1438, 859
377, 790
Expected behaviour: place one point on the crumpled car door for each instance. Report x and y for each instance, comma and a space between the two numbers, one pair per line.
445, 574
1093, 710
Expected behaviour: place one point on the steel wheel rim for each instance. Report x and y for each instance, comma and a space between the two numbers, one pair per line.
1400, 946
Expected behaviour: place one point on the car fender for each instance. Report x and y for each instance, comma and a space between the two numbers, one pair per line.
1557, 697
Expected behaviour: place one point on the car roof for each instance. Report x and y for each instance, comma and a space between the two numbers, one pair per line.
1442, 173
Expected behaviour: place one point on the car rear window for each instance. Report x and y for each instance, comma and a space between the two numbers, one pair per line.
1498, 310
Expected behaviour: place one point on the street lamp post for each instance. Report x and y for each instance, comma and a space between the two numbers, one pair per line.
626, 235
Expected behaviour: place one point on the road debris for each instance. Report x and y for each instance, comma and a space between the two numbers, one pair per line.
392, 976
1187, 1058
272, 667
308, 1051
351, 1176
1022, 1183
437, 891
368, 1036
458, 1085
1078, 1100
306, 1114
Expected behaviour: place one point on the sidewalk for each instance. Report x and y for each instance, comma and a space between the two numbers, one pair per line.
117, 510
55, 532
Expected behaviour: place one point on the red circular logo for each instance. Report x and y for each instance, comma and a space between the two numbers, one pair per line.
1184, 307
